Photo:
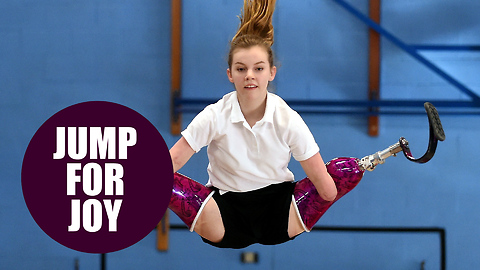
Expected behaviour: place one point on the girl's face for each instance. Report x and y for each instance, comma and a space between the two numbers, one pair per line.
251, 72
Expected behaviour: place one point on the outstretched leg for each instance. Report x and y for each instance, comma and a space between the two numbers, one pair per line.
347, 173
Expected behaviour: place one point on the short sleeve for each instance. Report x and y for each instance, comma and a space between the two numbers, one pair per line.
201, 131
300, 140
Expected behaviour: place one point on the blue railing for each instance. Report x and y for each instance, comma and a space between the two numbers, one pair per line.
394, 106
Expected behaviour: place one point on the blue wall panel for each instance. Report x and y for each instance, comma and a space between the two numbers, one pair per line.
56, 53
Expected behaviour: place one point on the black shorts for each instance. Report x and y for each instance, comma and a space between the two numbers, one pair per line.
259, 216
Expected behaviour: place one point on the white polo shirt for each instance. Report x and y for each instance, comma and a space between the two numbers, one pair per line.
244, 158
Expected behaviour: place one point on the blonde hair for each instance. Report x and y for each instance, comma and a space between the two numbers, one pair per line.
255, 28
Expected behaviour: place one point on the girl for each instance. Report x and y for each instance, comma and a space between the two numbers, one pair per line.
251, 135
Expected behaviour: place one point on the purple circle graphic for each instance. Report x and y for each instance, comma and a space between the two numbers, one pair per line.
97, 177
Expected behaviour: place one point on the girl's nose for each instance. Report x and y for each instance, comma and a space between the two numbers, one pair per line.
250, 75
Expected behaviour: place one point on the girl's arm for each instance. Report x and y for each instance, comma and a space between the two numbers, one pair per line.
180, 153
317, 173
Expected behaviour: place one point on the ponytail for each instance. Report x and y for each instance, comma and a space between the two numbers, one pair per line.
256, 20
255, 28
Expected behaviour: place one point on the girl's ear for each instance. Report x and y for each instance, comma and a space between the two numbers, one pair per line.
273, 72
229, 75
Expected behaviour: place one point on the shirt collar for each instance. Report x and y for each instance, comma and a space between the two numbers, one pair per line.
237, 115
269, 109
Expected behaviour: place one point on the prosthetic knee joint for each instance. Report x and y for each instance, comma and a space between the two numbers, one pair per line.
188, 199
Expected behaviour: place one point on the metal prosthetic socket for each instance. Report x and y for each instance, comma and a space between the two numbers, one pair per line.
347, 172
188, 199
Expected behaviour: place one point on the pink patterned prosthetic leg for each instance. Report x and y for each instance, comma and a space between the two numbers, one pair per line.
188, 199
345, 173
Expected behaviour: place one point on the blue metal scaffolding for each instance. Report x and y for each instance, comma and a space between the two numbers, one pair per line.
393, 106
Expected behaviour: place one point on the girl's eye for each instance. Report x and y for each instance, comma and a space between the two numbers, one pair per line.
260, 68
240, 69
